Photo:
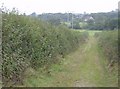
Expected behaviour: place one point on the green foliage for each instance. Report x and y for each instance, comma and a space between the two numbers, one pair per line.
93, 21
76, 25
108, 40
29, 42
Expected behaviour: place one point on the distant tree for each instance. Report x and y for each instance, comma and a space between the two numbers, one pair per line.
76, 25
33, 14
97, 21
54, 21
113, 24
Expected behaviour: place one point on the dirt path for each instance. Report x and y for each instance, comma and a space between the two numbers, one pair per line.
83, 68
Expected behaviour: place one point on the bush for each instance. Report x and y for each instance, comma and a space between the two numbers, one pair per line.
108, 41
29, 42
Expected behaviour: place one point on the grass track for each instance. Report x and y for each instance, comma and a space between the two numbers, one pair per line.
86, 67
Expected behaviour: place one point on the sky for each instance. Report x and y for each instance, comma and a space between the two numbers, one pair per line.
63, 6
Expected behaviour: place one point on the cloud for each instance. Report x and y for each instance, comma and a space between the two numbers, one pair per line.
77, 6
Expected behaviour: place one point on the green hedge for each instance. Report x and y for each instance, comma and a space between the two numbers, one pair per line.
29, 42
108, 41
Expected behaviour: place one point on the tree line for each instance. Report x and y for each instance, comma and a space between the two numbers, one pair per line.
92, 21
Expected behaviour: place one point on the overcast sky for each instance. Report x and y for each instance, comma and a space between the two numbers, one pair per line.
54, 6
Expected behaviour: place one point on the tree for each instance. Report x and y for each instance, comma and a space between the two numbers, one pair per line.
76, 25
54, 21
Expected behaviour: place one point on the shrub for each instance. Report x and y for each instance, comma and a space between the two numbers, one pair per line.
108, 41
29, 42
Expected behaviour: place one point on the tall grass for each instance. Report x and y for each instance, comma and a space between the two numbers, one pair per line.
29, 42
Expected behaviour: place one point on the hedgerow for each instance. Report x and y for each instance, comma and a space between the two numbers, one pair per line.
108, 41
29, 42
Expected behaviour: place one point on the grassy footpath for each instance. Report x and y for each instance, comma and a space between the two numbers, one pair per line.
82, 68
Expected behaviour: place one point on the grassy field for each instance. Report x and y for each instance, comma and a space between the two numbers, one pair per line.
85, 67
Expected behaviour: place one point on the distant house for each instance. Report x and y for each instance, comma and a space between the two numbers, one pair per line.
88, 18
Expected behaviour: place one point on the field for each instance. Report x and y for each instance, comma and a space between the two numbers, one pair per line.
38, 54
